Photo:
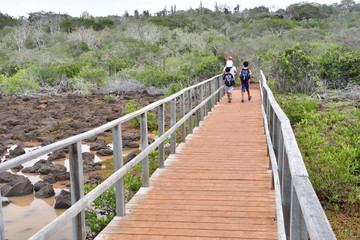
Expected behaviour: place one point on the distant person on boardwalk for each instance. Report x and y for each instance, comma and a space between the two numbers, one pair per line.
230, 64
229, 83
245, 75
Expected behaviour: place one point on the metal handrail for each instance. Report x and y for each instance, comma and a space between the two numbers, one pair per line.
204, 94
303, 215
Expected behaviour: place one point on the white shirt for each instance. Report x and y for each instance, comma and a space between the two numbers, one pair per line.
232, 70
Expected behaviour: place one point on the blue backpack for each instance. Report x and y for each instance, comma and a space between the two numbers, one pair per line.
245, 74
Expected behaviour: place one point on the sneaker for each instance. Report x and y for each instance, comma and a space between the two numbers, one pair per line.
242, 100
250, 98
229, 100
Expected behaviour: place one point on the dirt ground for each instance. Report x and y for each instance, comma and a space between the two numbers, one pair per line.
51, 118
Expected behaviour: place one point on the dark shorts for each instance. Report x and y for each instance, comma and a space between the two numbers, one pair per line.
244, 86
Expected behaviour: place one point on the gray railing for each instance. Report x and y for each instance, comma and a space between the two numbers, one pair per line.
187, 108
299, 214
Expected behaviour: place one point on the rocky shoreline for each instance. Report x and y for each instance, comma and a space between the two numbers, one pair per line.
49, 119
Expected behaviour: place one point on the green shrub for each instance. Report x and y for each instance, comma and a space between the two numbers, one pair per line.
133, 106
106, 202
339, 66
329, 141
21, 83
297, 108
155, 76
173, 88
293, 69
87, 79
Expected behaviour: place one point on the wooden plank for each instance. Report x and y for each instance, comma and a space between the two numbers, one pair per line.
216, 186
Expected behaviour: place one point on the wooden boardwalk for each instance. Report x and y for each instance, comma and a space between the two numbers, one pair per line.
217, 186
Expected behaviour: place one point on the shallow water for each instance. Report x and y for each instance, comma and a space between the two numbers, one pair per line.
26, 215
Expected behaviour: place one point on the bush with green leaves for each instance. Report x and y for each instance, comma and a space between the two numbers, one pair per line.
339, 66
107, 204
23, 82
293, 69
155, 76
132, 106
329, 140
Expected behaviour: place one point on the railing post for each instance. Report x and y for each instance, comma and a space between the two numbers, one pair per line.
286, 185
161, 128
218, 86
206, 106
213, 87
118, 163
144, 143
2, 229
182, 114
281, 156
190, 108
209, 93
77, 188
172, 123
196, 103
201, 100
298, 230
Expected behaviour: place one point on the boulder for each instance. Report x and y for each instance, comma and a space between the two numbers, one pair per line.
61, 176
91, 139
17, 151
5, 203
130, 136
18, 186
44, 167
43, 189
18, 168
5, 177
46, 140
88, 156
56, 155
50, 178
105, 152
131, 155
63, 200
100, 144
128, 145
94, 179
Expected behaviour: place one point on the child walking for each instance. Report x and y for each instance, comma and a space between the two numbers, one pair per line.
229, 83
245, 75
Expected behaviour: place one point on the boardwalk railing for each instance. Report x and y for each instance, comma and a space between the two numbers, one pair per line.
189, 105
300, 208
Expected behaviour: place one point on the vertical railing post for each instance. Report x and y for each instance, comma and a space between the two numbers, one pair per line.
281, 156
118, 163
205, 91
298, 230
213, 99
196, 104
190, 108
77, 188
209, 93
2, 229
144, 143
286, 185
201, 100
219, 82
161, 130
182, 114
172, 123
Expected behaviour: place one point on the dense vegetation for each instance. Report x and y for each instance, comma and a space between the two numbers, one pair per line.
307, 48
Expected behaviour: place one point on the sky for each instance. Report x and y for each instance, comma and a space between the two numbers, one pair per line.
98, 8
